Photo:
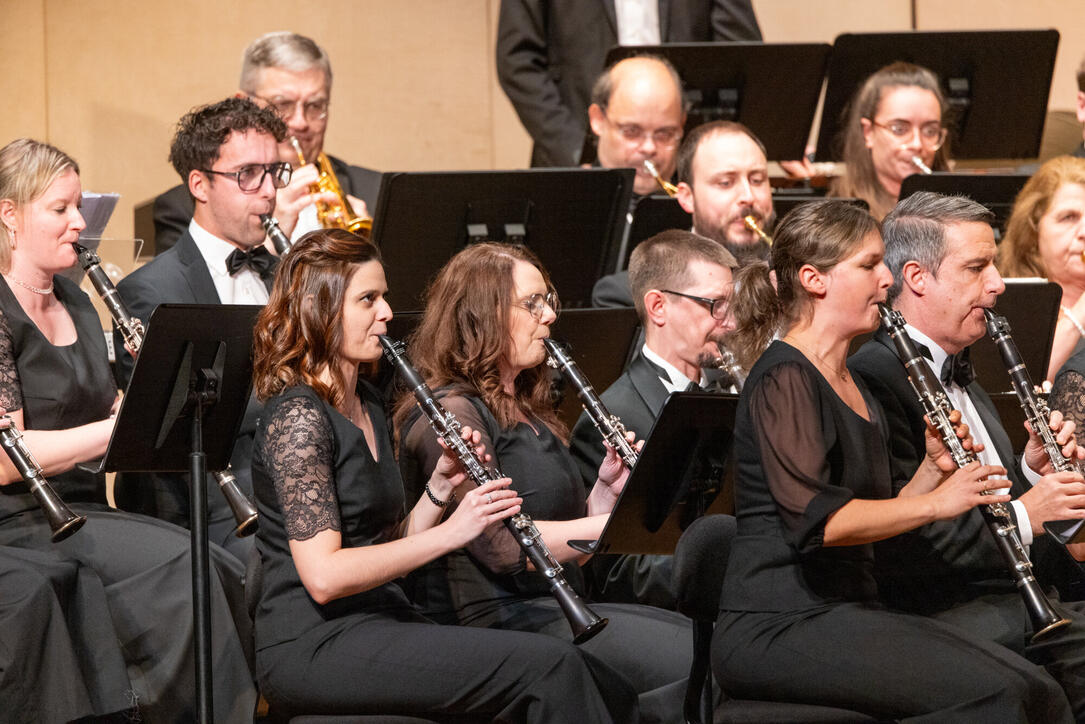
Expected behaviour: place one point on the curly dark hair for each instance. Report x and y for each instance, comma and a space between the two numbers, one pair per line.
202, 131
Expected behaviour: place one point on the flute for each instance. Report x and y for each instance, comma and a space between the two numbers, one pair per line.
997, 516
132, 330
608, 425
584, 622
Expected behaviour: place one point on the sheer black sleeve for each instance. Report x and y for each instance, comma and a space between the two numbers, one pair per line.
494, 548
1068, 396
794, 439
299, 450
11, 394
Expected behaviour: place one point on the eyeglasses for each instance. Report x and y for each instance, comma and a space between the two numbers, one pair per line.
313, 111
634, 135
931, 135
716, 307
536, 304
251, 177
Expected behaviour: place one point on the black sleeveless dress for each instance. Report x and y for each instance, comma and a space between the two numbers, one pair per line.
801, 621
140, 600
374, 652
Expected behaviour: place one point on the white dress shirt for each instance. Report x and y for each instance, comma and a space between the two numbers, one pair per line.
638, 22
676, 382
245, 287
971, 417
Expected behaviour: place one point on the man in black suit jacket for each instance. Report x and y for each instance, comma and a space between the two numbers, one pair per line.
219, 259
292, 75
941, 251
549, 53
682, 284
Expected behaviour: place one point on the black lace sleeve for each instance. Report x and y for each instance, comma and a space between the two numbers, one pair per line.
11, 395
298, 450
1068, 396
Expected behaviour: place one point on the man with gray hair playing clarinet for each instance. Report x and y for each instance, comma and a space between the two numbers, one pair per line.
941, 252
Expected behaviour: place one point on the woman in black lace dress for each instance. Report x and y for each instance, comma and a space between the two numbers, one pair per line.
800, 620
334, 630
480, 344
123, 580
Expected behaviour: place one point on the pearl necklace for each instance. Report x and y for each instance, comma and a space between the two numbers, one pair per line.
36, 290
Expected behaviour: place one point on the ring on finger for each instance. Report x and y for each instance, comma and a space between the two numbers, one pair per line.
489, 498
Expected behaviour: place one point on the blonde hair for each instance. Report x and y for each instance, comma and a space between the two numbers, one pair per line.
27, 169
1019, 252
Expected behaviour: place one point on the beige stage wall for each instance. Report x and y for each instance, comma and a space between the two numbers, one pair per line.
415, 86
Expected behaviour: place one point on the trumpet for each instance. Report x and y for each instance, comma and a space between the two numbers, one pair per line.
668, 188
62, 521
751, 223
337, 214
132, 331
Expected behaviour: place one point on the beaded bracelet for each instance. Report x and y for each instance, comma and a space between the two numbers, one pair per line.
1077, 325
435, 500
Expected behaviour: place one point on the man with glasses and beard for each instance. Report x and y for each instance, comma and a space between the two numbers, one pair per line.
228, 156
291, 75
682, 286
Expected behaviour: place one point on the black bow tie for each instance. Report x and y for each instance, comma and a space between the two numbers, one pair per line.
694, 387
957, 368
259, 260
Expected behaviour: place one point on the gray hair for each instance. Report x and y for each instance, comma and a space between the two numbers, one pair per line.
915, 230
284, 50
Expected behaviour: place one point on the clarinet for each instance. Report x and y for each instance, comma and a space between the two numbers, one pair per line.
132, 331
1036, 411
278, 238
62, 521
936, 406
584, 622
608, 425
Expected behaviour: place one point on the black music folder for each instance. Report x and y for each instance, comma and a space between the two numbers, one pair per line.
682, 473
573, 219
996, 191
987, 76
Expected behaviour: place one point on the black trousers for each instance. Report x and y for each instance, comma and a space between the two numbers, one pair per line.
1001, 618
144, 566
882, 663
376, 665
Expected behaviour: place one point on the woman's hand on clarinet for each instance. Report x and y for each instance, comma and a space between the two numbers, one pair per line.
481, 508
449, 474
1036, 457
937, 452
612, 477
964, 490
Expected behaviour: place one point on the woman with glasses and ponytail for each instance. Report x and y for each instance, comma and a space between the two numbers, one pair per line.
894, 128
479, 345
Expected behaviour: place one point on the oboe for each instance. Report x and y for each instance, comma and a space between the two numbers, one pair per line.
584, 622
132, 331
608, 425
1037, 413
278, 238
62, 521
936, 406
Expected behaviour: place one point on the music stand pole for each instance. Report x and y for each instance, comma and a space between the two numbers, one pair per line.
206, 395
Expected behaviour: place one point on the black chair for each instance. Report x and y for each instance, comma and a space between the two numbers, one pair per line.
700, 562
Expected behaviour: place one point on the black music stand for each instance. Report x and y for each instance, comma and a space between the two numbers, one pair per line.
190, 385
984, 74
996, 191
682, 473
573, 219
746, 82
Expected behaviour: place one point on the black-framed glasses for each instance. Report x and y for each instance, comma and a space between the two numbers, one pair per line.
634, 135
313, 111
716, 307
251, 177
931, 135
536, 304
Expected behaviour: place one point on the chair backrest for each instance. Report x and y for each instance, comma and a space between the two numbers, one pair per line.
700, 562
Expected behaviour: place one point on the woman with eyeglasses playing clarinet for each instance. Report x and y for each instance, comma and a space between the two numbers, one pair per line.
479, 345
57, 387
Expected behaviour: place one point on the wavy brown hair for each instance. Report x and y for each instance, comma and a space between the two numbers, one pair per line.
1019, 252
464, 335
299, 333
